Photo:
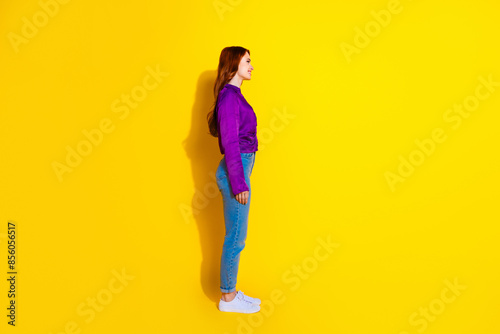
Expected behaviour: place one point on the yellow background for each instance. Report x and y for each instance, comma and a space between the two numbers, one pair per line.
143, 200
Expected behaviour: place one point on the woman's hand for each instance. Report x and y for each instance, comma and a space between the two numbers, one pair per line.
242, 197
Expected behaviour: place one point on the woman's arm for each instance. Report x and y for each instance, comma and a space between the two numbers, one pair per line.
228, 118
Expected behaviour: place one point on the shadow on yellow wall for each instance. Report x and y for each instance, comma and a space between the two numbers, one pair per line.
203, 151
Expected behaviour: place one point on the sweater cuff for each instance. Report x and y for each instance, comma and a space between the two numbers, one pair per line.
238, 188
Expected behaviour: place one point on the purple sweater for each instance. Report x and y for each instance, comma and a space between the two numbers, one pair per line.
237, 127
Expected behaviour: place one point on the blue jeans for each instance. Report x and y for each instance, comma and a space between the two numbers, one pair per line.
236, 221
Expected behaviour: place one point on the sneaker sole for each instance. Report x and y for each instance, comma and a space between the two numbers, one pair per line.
239, 311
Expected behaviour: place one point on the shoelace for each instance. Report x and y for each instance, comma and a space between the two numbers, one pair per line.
243, 297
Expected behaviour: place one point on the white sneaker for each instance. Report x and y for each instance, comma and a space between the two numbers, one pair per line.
238, 304
250, 299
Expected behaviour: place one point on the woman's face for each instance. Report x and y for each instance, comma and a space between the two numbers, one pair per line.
245, 68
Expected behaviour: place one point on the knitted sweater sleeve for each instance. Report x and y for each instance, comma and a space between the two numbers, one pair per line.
228, 116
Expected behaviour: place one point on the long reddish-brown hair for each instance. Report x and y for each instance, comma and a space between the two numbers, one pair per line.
229, 61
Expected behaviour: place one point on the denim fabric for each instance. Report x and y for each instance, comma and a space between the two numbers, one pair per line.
236, 222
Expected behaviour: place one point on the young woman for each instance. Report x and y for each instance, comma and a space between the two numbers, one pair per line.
234, 122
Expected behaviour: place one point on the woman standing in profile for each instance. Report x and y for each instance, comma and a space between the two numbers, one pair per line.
234, 122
